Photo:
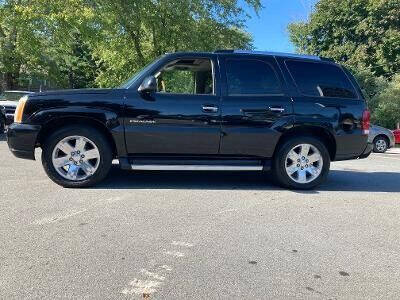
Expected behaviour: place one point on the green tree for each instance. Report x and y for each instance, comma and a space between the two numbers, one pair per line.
78, 43
45, 40
363, 34
17, 39
387, 113
129, 34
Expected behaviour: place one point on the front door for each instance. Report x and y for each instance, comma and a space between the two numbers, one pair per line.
255, 107
182, 117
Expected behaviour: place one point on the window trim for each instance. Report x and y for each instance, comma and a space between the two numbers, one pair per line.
357, 97
214, 93
282, 93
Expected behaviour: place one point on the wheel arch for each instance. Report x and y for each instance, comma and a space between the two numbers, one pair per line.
320, 133
56, 123
382, 135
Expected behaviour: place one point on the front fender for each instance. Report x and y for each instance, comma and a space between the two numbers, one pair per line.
110, 122
106, 117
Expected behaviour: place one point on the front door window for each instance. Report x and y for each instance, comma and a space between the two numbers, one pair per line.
186, 76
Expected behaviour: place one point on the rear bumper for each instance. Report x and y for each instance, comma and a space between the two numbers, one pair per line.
21, 139
367, 151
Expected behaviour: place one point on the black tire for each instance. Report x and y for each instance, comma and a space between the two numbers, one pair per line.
2, 125
279, 173
381, 148
96, 137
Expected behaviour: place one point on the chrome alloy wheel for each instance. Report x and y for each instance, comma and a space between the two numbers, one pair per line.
304, 163
76, 158
381, 145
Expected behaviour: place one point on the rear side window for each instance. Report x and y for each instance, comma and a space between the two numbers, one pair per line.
321, 80
251, 77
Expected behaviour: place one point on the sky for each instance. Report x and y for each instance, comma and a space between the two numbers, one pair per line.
269, 29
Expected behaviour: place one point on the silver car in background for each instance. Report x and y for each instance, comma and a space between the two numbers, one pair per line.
9, 100
382, 138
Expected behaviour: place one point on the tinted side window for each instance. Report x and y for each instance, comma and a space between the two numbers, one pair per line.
251, 77
321, 80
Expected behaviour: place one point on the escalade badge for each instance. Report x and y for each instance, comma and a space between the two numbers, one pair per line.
142, 121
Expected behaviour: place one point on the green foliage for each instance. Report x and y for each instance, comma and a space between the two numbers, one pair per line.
387, 113
140, 31
364, 35
45, 40
77, 43
178, 81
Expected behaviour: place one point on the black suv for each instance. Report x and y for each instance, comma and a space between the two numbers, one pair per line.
227, 110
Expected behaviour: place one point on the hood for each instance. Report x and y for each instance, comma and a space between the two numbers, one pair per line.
72, 92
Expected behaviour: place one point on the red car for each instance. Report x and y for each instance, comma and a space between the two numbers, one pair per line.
397, 135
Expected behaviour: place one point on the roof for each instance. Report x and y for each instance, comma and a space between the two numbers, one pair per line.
249, 52
280, 54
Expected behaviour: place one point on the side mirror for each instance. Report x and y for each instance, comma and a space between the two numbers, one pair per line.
149, 85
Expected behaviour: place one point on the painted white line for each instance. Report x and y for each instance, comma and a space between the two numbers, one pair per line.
112, 200
152, 275
387, 157
57, 218
225, 211
138, 286
182, 244
174, 253
166, 268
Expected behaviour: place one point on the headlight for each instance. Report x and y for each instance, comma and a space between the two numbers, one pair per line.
19, 111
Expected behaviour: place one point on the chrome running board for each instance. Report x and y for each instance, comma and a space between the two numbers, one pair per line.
202, 167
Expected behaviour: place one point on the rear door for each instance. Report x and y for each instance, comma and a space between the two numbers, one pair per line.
328, 98
255, 105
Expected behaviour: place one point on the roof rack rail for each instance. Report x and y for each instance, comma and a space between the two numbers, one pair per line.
224, 51
314, 57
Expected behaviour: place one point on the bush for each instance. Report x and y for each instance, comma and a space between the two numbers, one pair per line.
387, 112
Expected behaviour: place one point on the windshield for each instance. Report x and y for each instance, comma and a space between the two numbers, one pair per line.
138, 74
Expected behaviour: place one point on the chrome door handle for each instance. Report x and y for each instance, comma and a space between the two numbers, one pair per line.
277, 109
210, 108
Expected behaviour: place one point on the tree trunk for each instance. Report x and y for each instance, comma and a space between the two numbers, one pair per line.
136, 43
132, 30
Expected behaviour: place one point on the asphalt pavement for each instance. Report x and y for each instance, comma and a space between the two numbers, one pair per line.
207, 235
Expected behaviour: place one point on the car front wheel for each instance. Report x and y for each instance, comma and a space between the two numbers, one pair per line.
301, 163
76, 157
380, 144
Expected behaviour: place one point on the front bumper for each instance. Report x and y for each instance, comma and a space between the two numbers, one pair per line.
21, 139
367, 151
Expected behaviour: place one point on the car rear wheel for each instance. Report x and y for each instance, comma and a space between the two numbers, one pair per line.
301, 163
380, 144
76, 157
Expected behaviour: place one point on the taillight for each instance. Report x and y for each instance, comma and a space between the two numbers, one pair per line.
366, 121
